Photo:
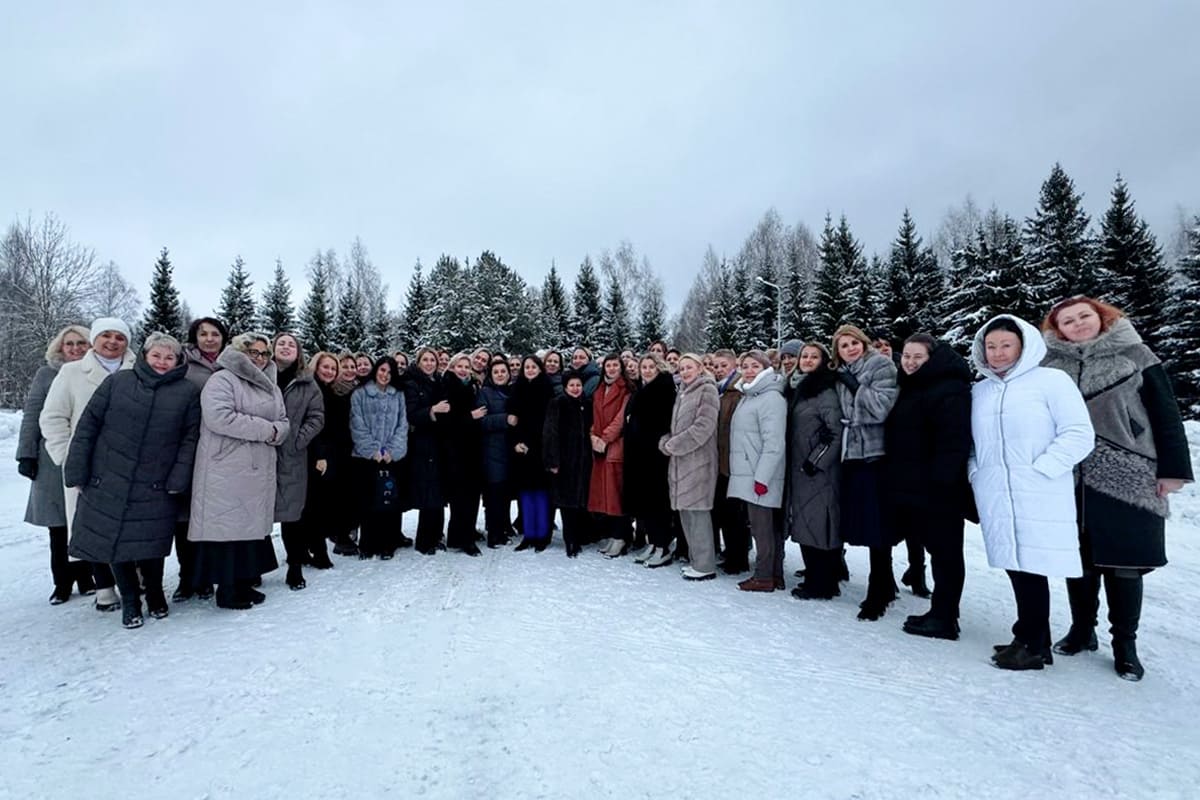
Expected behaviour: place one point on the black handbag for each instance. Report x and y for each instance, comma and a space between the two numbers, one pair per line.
386, 496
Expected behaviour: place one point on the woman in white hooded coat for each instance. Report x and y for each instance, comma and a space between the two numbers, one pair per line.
1030, 427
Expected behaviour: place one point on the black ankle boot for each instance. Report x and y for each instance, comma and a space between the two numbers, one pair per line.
1077, 640
295, 578
914, 578
1125, 660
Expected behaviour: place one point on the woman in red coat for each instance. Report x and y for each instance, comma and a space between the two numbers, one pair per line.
608, 454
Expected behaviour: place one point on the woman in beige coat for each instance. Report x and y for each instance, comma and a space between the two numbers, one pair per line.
692, 471
68, 397
243, 420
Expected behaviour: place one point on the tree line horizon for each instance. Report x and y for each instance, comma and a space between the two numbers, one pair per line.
981, 263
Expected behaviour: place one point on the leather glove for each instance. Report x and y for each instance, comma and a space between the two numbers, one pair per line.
809, 468
848, 380
760, 488
28, 467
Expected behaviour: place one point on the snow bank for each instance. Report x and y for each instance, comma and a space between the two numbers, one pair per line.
10, 424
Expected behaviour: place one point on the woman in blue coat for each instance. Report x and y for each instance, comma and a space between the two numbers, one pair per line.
379, 428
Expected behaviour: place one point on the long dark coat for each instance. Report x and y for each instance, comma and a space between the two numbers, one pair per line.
132, 454
567, 447
814, 435
461, 459
928, 438
325, 504
46, 507
528, 404
421, 393
497, 435
306, 412
647, 420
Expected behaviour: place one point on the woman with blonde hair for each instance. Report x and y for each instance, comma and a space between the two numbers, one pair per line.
867, 390
46, 507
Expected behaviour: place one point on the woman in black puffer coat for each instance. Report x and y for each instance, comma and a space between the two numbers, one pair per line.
928, 441
497, 450
647, 496
131, 455
426, 405
567, 455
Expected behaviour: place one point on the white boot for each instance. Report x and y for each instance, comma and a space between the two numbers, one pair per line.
603, 545
615, 549
645, 554
107, 600
690, 574
661, 558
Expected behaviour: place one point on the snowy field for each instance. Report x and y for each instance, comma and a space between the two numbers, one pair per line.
523, 675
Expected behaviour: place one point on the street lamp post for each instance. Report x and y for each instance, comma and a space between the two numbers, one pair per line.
778, 308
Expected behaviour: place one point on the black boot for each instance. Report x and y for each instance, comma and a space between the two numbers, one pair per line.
1084, 597
1124, 612
1018, 656
295, 578
131, 612
932, 627
229, 597
914, 578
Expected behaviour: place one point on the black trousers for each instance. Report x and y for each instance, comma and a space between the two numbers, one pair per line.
731, 524
464, 510
429, 527
822, 568
656, 527
497, 505
1032, 593
63, 571
942, 536
577, 526
128, 584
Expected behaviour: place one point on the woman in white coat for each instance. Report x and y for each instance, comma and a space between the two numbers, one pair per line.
1030, 427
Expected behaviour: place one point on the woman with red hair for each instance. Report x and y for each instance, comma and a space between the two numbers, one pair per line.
1141, 457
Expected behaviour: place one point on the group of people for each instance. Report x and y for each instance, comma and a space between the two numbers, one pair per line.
1065, 452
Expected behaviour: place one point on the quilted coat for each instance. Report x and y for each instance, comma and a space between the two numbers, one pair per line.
243, 420
1030, 428
757, 441
132, 456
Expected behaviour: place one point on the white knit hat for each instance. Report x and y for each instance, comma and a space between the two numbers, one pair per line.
109, 324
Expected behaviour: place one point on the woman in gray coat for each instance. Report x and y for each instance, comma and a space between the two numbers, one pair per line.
243, 420
131, 455
814, 473
46, 507
757, 446
867, 390
692, 470
306, 415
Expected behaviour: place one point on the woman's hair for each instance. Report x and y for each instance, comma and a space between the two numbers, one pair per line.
396, 356
160, 339
923, 339
693, 357
825, 357
585, 350
194, 330
299, 348
536, 360
1004, 324
416, 360
461, 354
318, 357
54, 348
755, 355
487, 375
393, 378
659, 364
367, 356
854, 332
572, 375
242, 341
1108, 313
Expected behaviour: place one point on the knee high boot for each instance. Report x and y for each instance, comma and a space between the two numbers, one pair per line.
1124, 612
1084, 596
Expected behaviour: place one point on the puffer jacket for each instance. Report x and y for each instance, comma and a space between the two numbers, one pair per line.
243, 421
692, 445
1029, 429
306, 417
757, 441
68, 397
132, 456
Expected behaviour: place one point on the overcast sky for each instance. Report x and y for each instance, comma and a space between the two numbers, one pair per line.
545, 131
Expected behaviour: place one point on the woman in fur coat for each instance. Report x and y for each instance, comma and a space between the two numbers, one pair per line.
1141, 457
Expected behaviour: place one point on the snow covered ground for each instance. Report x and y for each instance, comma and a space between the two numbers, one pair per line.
523, 675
